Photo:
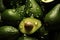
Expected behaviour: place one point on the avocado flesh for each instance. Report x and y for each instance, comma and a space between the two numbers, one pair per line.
33, 9
29, 29
53, 17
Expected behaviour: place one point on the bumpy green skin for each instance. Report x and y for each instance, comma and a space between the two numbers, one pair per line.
1, 6
53, 17
36, 25
11, 15
33, 9
8, 32
26, 38
21, 10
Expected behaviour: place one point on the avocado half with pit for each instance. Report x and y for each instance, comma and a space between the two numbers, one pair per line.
29, 25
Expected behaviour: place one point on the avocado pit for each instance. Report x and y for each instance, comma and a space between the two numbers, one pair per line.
28, 26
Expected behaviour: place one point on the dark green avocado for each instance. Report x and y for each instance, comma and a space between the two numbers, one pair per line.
33, 9
52, 18
21, 10
8, 32
29, 25
11, 15
54, 15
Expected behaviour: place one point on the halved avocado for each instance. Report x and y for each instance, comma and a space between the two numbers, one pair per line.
8, 32
47, 1
26, 38
29, 25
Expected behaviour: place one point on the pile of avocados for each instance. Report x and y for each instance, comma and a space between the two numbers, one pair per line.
29, 20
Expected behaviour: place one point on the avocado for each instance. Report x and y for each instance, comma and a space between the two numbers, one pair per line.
29, 25
33, 9
21, 10
26, 38
8, 32
11, 15
52, 18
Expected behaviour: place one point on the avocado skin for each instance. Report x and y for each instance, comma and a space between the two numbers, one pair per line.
21, 11
52, 18
33, 9
10, 15
8, 32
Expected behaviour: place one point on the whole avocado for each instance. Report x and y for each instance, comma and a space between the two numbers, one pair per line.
52, 18
33, 9
11, 15
29, 25
8, 32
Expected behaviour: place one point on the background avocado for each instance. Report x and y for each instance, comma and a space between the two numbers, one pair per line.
8, 32
29, 25
21, 10
11, 15
33, 9
52, 18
